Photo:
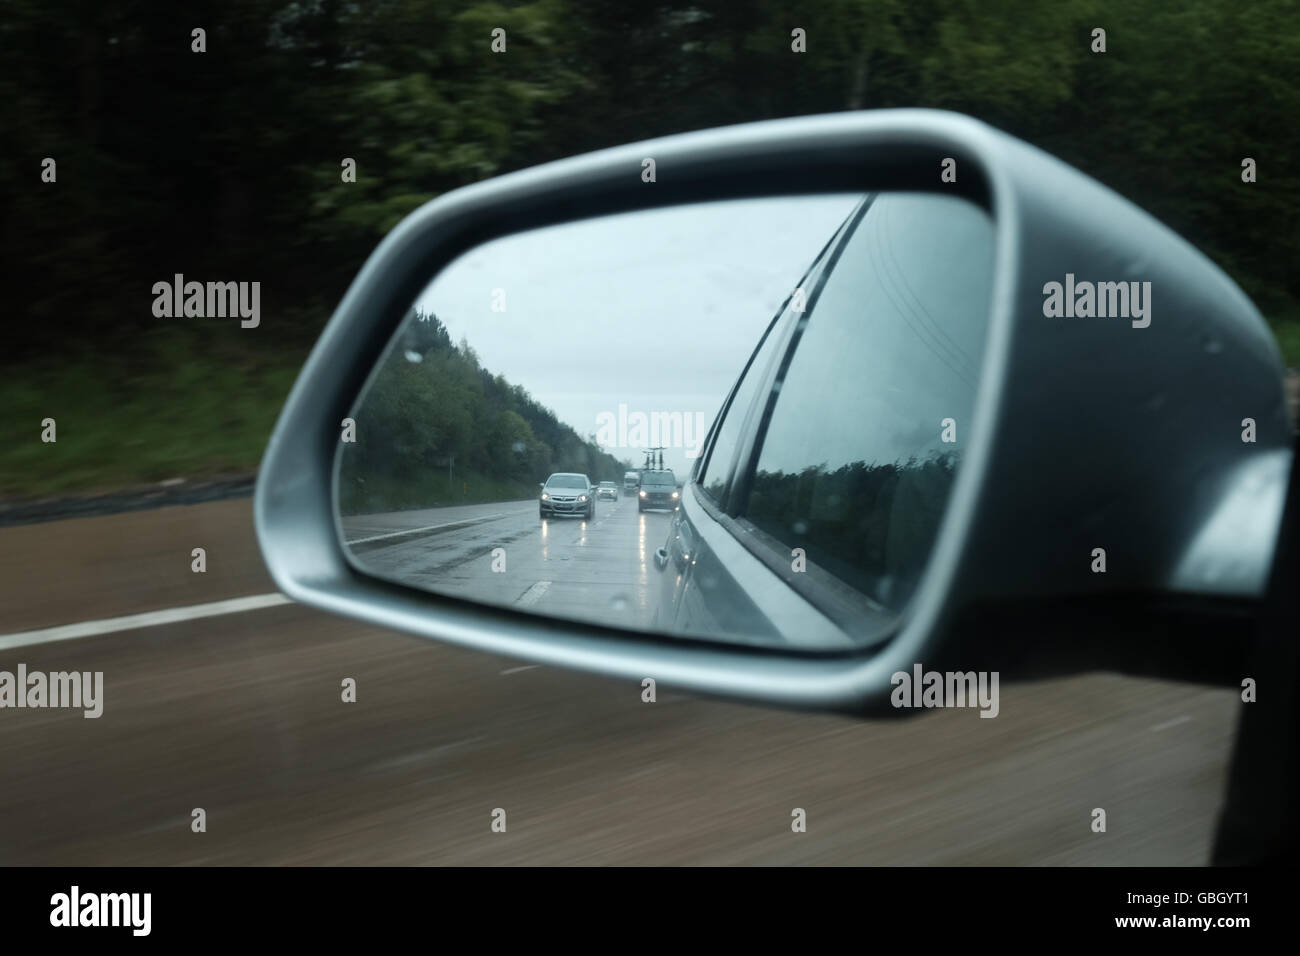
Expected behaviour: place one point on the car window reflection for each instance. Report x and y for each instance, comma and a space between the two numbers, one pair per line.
871, 416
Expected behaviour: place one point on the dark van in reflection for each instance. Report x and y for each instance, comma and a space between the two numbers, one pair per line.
658, 490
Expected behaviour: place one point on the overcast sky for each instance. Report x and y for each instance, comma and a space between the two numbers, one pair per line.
655, 310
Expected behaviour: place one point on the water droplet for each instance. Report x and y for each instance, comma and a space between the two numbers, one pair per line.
414, 356
618, 603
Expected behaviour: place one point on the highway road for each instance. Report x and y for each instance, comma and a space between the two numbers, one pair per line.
503, 553
240, 713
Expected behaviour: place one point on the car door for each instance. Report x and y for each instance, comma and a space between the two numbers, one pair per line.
710, 584
837, 485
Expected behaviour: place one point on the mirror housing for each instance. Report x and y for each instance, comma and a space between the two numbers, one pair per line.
1089, 433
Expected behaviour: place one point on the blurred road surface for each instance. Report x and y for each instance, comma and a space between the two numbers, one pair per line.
241, 715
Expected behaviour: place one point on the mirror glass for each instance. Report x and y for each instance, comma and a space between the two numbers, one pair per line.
735, 420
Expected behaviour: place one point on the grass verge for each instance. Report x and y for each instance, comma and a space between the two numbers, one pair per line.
178, 406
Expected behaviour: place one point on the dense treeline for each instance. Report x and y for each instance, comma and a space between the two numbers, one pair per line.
225, 164
436, 428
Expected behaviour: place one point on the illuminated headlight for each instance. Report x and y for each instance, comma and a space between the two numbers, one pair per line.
545, 496
674, 494
582, 497
643, 494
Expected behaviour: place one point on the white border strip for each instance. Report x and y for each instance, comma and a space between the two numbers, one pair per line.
464, 522
70, 632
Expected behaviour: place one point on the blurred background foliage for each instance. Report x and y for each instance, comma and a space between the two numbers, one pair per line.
225, 165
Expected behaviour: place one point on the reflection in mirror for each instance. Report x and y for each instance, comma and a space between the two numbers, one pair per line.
736, 421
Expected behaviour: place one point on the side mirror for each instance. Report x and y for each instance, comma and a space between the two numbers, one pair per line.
1000, 421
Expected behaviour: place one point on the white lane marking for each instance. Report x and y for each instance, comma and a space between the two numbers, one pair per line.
516, 670
1170, 723
432, 754
131, 622
432, 527
533, 594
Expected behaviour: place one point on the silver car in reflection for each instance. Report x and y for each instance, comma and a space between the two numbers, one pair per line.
567, 493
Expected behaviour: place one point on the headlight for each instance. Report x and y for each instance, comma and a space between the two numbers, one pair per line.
582, 497
674, 494
643, 494
545, 496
